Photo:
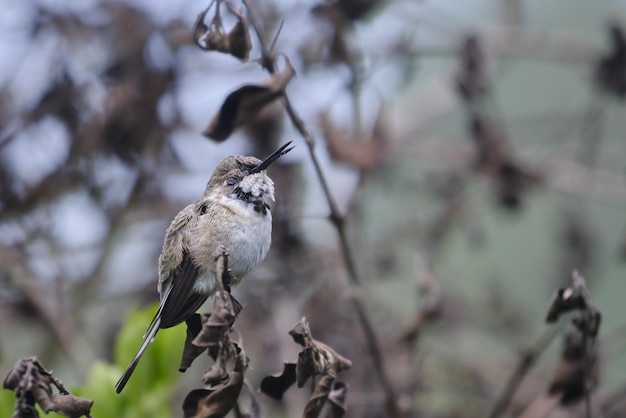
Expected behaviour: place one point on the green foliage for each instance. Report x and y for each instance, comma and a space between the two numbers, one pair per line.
7, 403
150, 388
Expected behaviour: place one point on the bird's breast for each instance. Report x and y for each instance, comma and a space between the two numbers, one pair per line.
242, 228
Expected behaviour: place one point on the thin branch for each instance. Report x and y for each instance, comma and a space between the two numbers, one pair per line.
338, 221
527, 361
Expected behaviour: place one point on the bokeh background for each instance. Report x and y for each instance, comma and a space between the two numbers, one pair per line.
476, 149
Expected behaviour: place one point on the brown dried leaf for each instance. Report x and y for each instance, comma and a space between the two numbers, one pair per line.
337, 400
225, 363
218, 322
276, 385
191, 351
236, 43
12, 380
574, 297
71, 406
32, 383
362, 154
204, 403
192, 401
243, 104
319, 396
316, 358
200, 28
301, 333
42, 394
576, 370
239, 37
28, 412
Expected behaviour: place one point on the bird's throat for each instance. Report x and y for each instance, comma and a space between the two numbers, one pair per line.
258, 203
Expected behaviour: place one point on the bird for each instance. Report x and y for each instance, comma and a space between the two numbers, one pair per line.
233, 214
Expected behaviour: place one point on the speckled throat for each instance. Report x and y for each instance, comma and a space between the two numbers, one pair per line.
259, 205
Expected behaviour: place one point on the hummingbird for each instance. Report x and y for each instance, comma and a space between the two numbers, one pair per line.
233, 214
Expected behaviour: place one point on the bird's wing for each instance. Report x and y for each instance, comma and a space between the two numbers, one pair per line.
179, 301
174, 246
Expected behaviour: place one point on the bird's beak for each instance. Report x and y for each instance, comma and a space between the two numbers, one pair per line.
273, 157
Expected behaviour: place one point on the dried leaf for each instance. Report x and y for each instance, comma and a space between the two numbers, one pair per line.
316, 358
574, 297
577, 369
236, 43
204, 403
243, 104
218, 322
32, 383
192, 401
191, 351
239, 37
319, 396
337, 400
276, 385
225, 362
200, 28
363, 154
42, 394
71, 406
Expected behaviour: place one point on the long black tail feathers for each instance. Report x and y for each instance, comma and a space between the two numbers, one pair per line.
152, 331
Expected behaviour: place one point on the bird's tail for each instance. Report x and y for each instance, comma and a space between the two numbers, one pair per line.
150, 334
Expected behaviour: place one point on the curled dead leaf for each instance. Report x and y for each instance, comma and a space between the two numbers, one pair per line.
218, 322
316, 358
243, 104
71, 406
574, 297
191, 351
32, 384
364, 154
318, 398
337, 399
220, 400
276, 385
577, 369
213, 38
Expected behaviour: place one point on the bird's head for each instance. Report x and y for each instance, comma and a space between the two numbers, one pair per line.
245, 177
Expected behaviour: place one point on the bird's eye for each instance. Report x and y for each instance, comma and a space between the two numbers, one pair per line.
231, 180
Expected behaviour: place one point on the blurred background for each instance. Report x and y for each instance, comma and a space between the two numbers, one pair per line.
476, 149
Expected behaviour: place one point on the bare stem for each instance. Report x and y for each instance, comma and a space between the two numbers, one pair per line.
338, 220
527, 361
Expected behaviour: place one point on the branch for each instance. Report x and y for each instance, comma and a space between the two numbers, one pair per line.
338, 221
527, 361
